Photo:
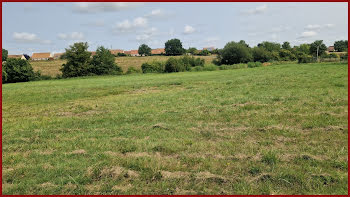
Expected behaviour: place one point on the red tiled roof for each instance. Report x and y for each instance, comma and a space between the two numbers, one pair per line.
40, 55
158, 51
116, 51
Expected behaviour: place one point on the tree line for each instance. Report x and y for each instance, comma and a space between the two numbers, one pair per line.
80, 63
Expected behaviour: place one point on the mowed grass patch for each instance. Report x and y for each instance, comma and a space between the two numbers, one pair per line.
268, 130
52, 68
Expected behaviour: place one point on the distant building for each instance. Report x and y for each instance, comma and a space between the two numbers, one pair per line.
93, 53
116, 51
41, 56
209, 48
158, 51
132, 53
57, 55
330, 49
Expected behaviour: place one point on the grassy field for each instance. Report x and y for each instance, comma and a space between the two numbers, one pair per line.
52, 68
269, 130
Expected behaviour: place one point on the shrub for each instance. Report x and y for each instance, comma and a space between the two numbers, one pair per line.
210, 67
132, 70
4, 54
78, 61
254, 64
305, 59
344, 57
18, 70
333, 55
121, 55
190, 61
175, 65
153, 67
104, 63
197, 68
286, 55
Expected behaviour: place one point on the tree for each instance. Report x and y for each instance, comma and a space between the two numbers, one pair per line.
144, 50
243, 42
104, 63
174, 47
234, 53
4, 54
286, 55
303, 48
204, 52
341, 45
270, 46
192, 50
18, 70
261, 54
286, 45
78, 60
317, 48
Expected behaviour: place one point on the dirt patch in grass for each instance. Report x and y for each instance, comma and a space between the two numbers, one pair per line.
174, 175
123, 188
47, 184
113, 172
78, 152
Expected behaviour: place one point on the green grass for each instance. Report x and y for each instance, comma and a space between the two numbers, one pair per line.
268, 130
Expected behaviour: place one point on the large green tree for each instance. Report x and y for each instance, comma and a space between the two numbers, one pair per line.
144, 49
317, 48
234, 53
78, 60
270, 46
103, 62
18, 70
4, 54
174, 47
341, 45
286, 45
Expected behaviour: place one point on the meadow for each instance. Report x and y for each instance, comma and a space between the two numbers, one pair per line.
52, 68
278, 129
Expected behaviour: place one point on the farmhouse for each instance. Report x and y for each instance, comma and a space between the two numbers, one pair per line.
92, 53
132, 53
209, 48
57, 55
330, 49
116, 51
159, 51
17, 56
41, 56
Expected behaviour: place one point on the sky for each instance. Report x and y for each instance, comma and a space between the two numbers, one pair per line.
52, 27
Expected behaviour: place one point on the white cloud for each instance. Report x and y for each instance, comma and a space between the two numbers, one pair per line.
127, 26
156, 13
148, 34
317, 27
85, 7
308, 34
71, 36
25, 37
189, 29
257, 10
97, 23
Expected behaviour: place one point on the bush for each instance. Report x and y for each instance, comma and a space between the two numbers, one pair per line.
197, 68
132, 70
190, 61
254, 64
210, 67
121, 55
305, 59
104, 63
18, 70
286, 55
333, 55
153, 67
344, 57
175, 65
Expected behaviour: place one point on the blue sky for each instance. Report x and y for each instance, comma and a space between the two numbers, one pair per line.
52, 27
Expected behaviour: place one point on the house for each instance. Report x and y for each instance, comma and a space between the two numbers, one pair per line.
41, 56
116, 51
132, 53
15, 56
57, 55
209, 48
159, 51
330, 49
93, 53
